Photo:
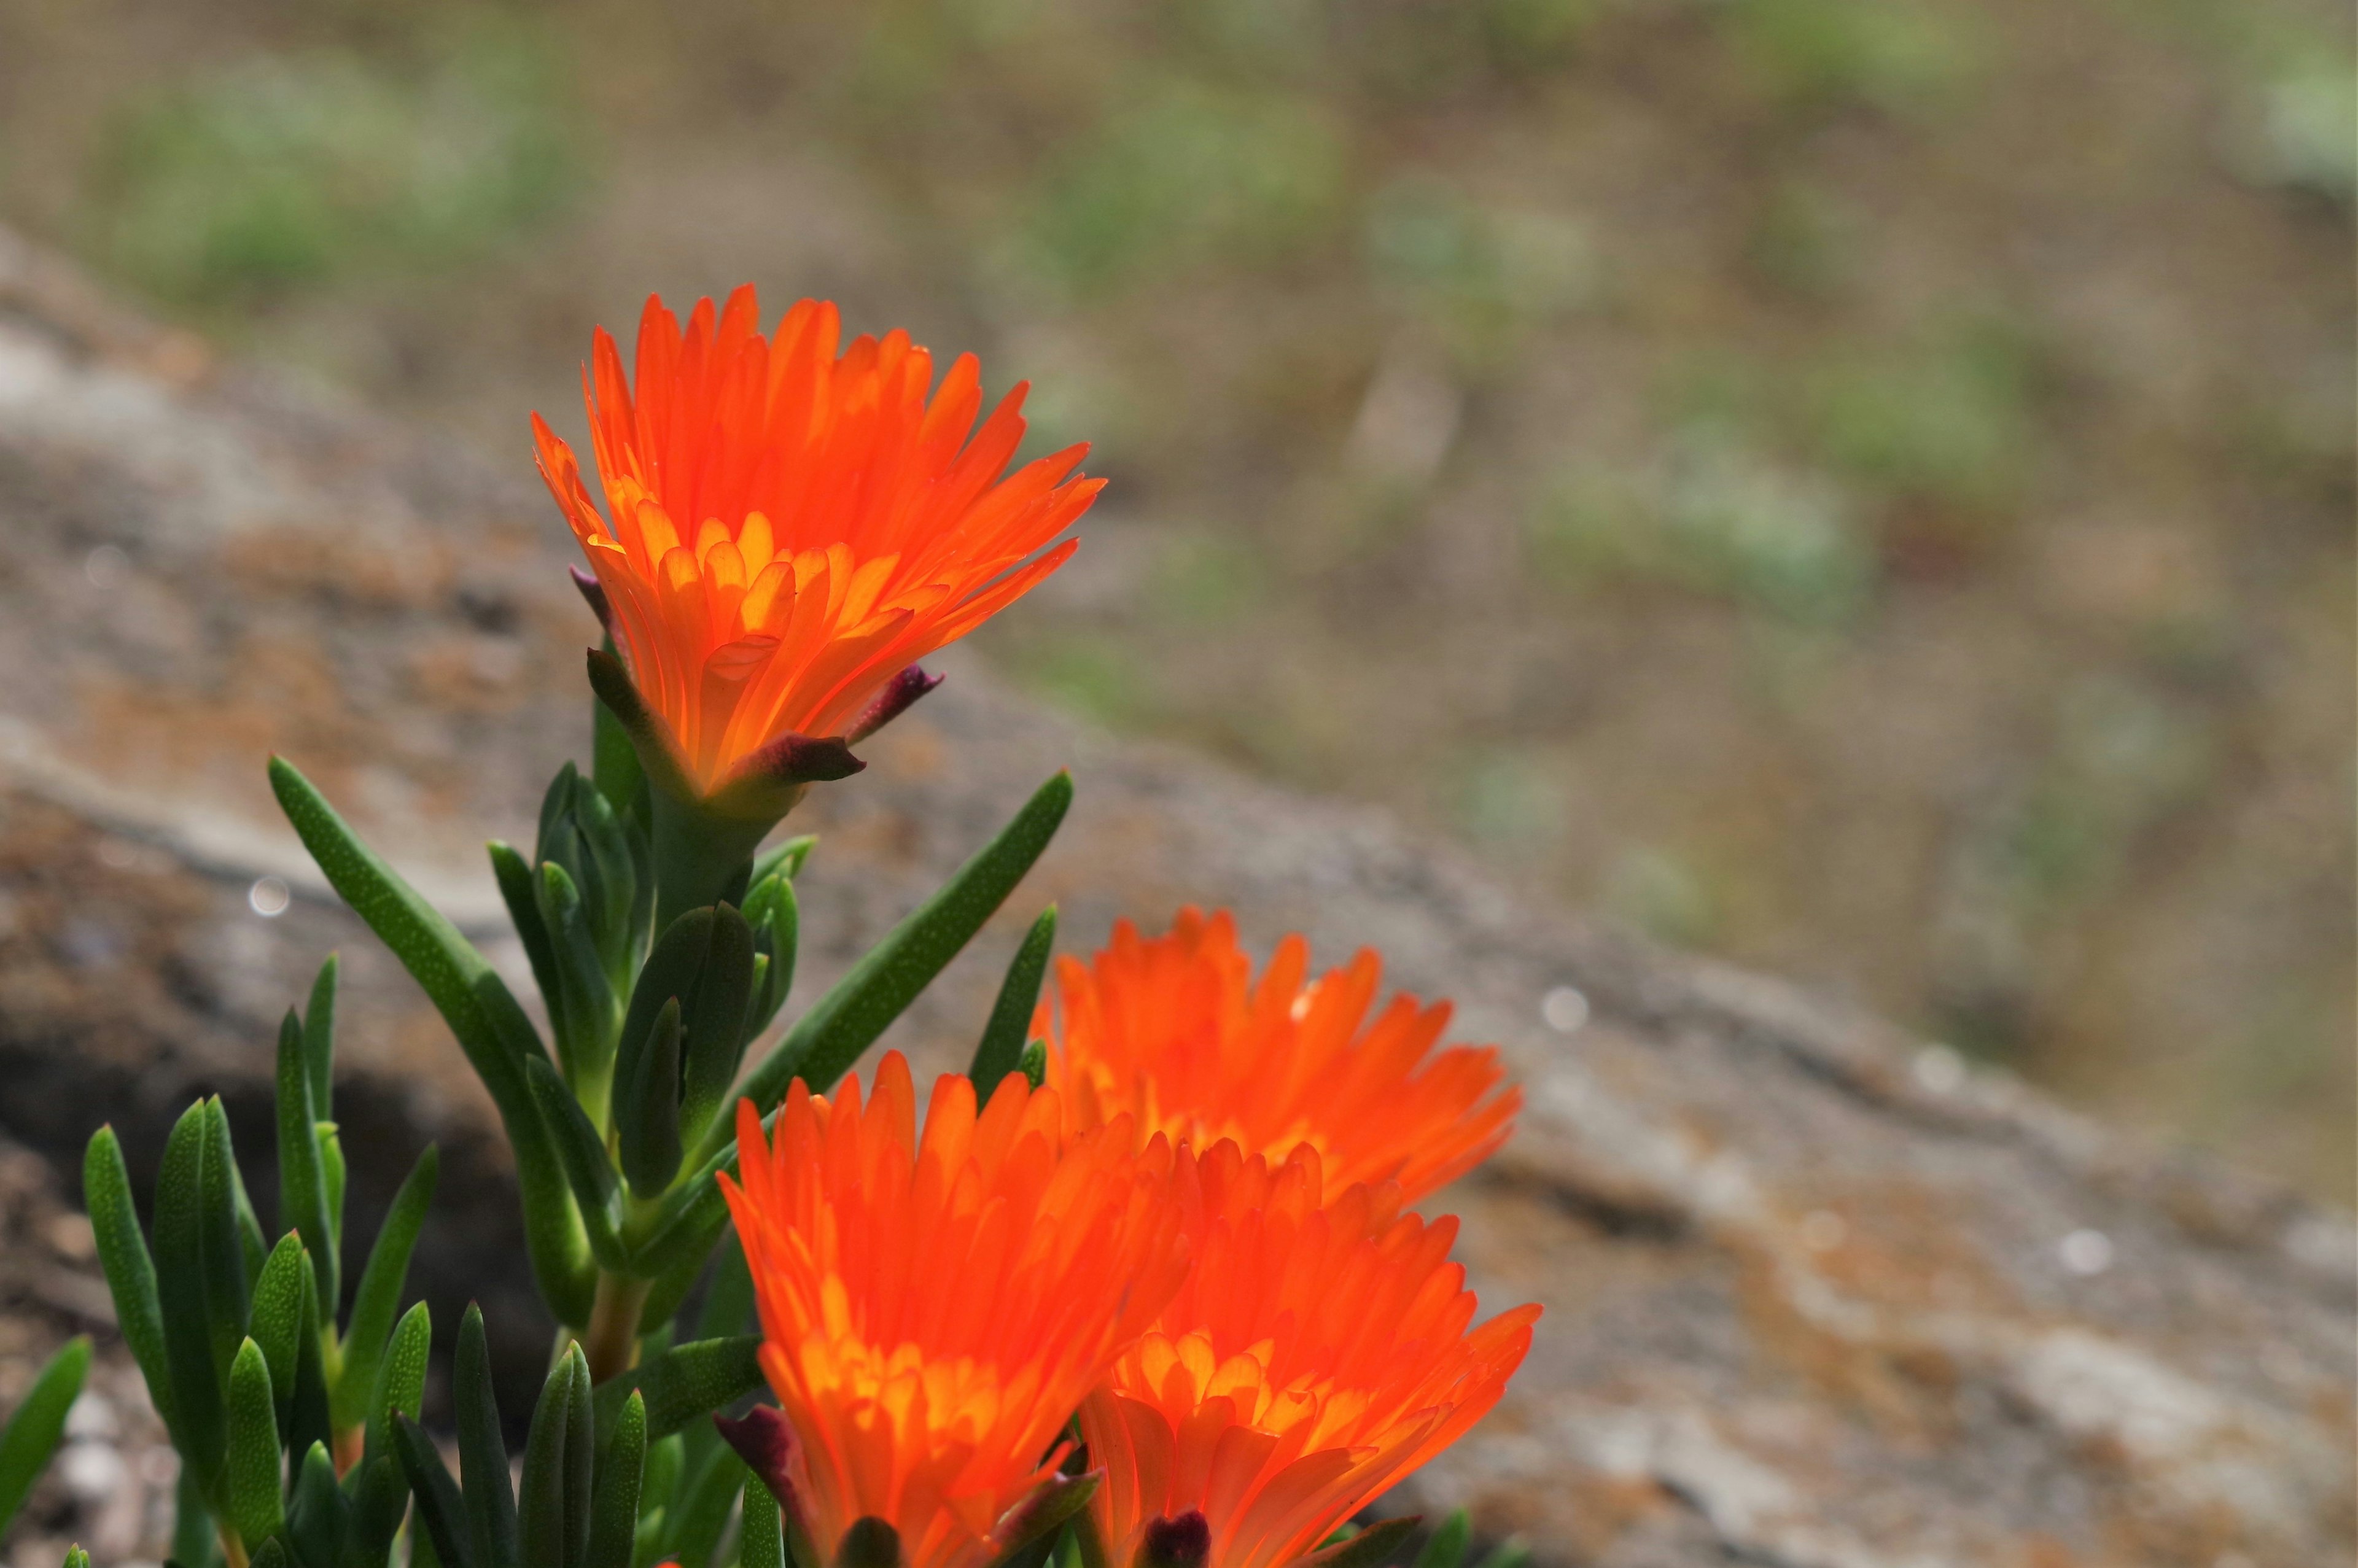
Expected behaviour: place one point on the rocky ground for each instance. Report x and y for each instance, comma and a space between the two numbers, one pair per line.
1817, 1295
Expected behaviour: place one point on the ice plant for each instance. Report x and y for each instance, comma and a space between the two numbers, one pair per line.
792, 522
934, 1307
1173, 1032
1318, 1353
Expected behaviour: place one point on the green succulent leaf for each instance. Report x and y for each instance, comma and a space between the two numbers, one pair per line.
520, 890
728, 1303
380, 1500
553, 1497
621, 1471
250, 1467
320, 1038
1005, 1037
277, 1321
775, 915
32, 1433
701, 1517
307, 1418
828, 1039
491, 1028
483, 1451
317, 1510
130, 1272
302, 1187
441, 1511
685, 1382
379, 1294
713, 1025
183, 1241
400, 1383
647, 1109
760, 1530
230, 1247
586, 1042
596, 1188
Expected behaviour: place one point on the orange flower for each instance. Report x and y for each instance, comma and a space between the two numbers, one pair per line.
935, 1309
1318, 1354
1170, 1030
792, 526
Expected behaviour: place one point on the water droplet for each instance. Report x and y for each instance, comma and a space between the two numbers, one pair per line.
106, 566
1939, 1070
2086, 1253
1564, 1010
268, 897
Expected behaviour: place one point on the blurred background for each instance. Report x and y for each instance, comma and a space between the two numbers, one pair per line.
1862, 487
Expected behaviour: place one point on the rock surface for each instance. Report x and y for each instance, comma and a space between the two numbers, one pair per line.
1817, 1294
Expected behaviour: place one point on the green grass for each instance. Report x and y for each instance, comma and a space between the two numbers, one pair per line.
292, 172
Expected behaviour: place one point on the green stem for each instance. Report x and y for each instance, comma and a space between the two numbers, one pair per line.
610, 1343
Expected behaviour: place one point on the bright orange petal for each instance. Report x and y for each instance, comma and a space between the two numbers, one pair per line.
936, 1302
725, 451
1173, 1031
1318, 1354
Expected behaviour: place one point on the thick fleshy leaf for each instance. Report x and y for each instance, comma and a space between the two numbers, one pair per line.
307, 1416
195, 1542
520, 890
546, 1495
713, 1023
319, 1039
302, 1189
440, 1511
250, 1468
775, 915
828, 1039
379, 1498
685, 1382
230, 1258
474, 1001
1005, 1037
647, 1109
482, 1450
583, 1153
130, 1272
182, 1229
275, 1323
314, 1514
621, 1471
400, 1380
378, 1297
32, 1433
701, 1515
761, 1528
590, 1016
728, 1303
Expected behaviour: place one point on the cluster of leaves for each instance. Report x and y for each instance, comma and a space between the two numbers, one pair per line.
280, 1415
